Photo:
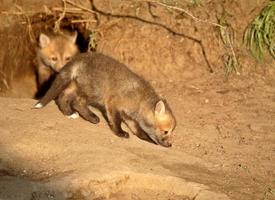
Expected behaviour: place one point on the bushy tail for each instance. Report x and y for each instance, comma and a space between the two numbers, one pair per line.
62, 80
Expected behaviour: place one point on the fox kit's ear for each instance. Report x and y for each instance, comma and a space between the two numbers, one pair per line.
74, 36
44, 40
160, 108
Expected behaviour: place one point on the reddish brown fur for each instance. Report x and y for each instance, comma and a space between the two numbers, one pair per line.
105, 83
54, 51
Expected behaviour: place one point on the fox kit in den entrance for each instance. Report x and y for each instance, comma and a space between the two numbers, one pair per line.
53, 52
120, 94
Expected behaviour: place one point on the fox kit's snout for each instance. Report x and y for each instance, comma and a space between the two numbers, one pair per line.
93, 79
159, 123
165, 123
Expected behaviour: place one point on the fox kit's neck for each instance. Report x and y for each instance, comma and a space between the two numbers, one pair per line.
55, 50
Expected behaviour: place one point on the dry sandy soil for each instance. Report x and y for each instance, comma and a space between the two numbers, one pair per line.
224, 143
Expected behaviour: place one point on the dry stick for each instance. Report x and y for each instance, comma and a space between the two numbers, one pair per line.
61, 17
233, 52
55, 9
4, 80
47, 11
30, 32
184, 11
68, 10
81, 7
17, 13
83, 20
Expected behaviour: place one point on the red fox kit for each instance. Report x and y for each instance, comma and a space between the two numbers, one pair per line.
107, 84
54, 51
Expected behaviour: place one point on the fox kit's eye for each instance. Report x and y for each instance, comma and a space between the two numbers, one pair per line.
54, 58
165, 132
68, 58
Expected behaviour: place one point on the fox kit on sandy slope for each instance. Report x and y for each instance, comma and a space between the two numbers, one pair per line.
53, 52
120, 94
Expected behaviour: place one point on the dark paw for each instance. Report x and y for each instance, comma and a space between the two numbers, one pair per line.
95, 119
123, 134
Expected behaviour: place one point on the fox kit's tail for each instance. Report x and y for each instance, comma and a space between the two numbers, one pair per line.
61, 82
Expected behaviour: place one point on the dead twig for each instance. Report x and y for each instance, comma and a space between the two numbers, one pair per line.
68, 10
77, 9
29, 26
4, 81
17, 13
83, 20
61, 17
184, 11
81, 7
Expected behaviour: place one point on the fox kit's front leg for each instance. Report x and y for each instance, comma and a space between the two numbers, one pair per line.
114, 119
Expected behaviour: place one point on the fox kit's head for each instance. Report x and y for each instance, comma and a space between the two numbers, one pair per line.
159, 124
56, 50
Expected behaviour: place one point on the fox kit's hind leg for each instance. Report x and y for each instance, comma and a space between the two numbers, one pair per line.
64, 103
115, 120
80, 105
65, 100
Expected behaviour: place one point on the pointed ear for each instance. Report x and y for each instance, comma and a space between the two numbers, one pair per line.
73, 37
44, 40
160, 108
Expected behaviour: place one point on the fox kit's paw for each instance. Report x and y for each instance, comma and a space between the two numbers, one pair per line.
73, 116
38, 105
123, 134
94, 119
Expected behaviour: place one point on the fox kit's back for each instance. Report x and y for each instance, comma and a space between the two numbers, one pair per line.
104, 77
106, 83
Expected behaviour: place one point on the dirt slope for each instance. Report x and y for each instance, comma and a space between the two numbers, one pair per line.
224, 142
65, 158
229, 130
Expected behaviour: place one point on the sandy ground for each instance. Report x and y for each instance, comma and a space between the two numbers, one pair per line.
232, 126
224, 141
44, 154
